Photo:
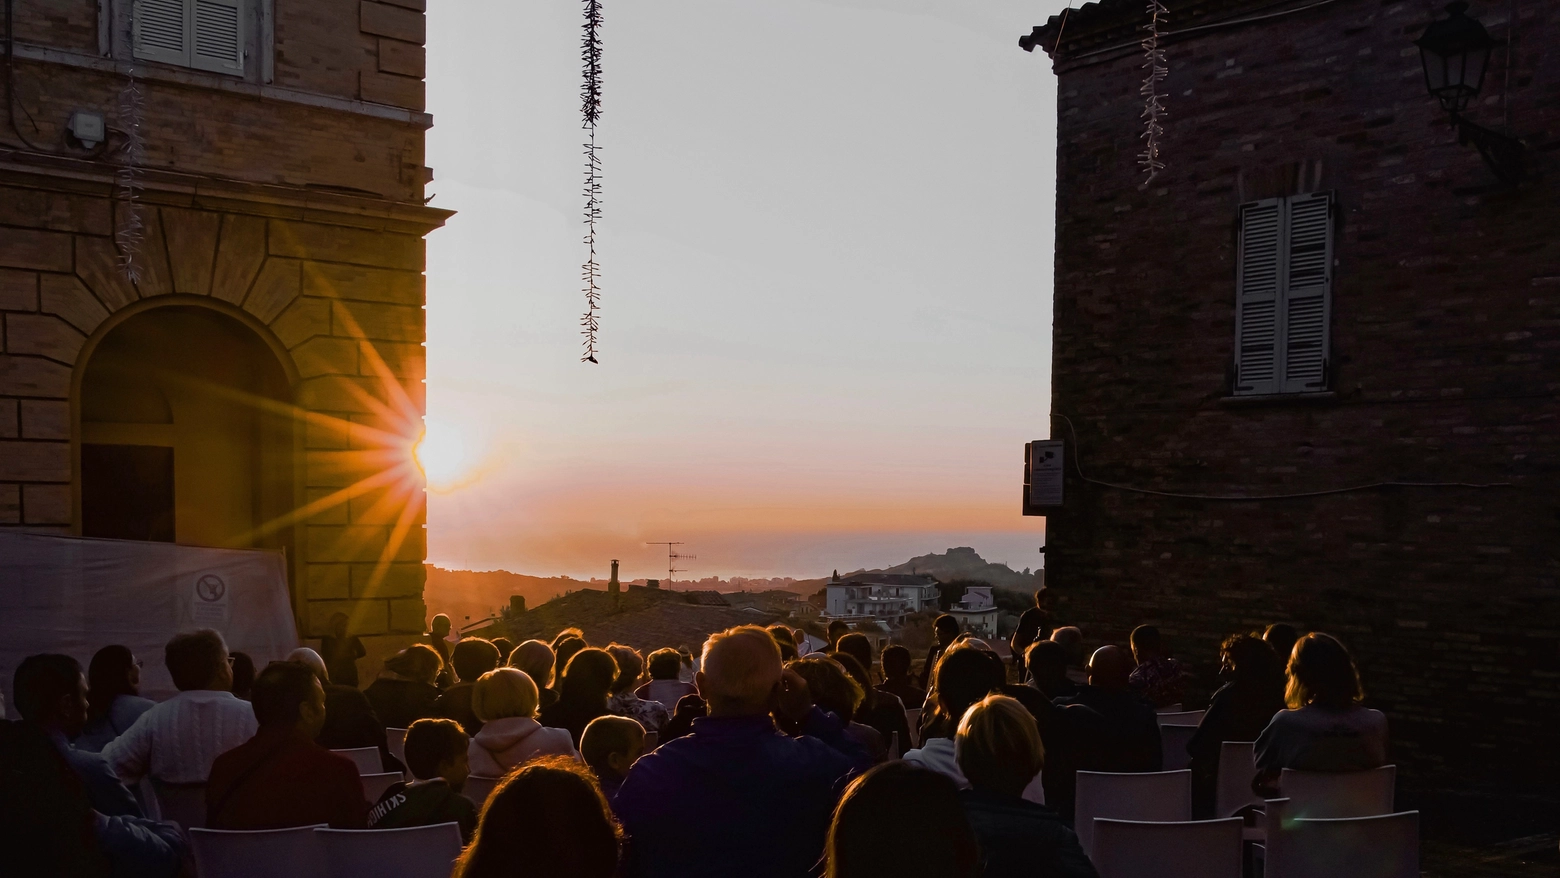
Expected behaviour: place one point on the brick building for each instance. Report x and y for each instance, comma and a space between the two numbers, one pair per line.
1323, 290
259, 382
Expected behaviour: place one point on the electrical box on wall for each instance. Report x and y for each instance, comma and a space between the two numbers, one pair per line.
1042, 476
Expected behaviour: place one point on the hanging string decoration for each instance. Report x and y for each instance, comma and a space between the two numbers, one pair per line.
130, 225
590, 108
1153, 100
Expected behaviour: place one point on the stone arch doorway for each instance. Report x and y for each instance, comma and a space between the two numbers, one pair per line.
186, 432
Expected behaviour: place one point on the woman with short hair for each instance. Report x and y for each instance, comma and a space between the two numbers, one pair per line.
547, 820
1326, 728
536, 659
505, 700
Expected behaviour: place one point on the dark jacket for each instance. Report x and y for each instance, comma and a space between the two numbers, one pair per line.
913, 697
1239, 711
350, 722
571, 715
399, 703
455, 704
885, 713
341, 655
736, 797
278, 779
1130, 735
1020, 839
423, 803
1069, 734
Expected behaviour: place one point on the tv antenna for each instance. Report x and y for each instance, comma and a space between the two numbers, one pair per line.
672, 557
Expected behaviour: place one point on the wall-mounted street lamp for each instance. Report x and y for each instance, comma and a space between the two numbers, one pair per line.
1456, 54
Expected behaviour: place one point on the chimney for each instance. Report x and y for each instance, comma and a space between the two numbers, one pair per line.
652, 583
516, 605
612, 584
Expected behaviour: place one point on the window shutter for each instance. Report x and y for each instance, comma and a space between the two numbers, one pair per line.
218, 36
160, 33
1307, 293
1257, 298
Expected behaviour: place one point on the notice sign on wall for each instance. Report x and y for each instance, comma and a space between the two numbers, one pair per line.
209, 603
1042, 476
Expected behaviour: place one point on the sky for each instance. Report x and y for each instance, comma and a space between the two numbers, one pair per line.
826, 285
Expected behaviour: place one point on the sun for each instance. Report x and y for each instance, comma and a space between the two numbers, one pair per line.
445, 455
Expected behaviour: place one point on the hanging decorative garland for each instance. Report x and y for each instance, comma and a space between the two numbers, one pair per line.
130, 226
590, 100
1153, 101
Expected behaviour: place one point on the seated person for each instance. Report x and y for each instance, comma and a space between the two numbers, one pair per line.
963, 675
1325, 728
114, 699
880, 710
549, 820
436, 756
536, 659
1000, 753
904, 821
665, 666
651, 715
280, 777
897, 679
1071, 640
1068, 732
405, 691
609, 746
51, 694
1158, 678
349, 718
505, 700
835, 691
582, 696
472, 657
341, 652
1252, 693
1130, 739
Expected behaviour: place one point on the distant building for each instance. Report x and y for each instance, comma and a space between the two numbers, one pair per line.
884, 596
977, 611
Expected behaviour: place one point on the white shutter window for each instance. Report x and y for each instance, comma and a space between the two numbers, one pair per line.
217, 36
1307, 293
161, 31
1258, 286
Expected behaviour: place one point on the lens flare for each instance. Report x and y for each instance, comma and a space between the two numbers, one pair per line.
445, 455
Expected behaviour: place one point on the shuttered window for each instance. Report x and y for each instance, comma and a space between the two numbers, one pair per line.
202, 34
1283, 295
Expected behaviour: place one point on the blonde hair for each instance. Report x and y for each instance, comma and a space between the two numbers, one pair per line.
502, 693
536, 659
740, 666
832, 688
998, 745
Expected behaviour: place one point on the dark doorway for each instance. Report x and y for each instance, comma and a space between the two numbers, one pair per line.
127, 492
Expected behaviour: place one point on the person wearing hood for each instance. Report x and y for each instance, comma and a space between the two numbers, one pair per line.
505, 700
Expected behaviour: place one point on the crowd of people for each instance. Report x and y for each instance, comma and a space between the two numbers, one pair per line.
751, 758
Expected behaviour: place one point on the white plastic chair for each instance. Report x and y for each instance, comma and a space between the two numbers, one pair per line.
1169, 708
395, 740
1193, 849
266, 853
1180, 717
414, 852
913, 716
1158, 796
184, 804
1237, 768
652, 740
374, 785
367, 759
1172, 746
1325, 794
1382, 846
477, 788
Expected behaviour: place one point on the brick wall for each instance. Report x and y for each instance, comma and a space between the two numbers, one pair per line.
1446, 365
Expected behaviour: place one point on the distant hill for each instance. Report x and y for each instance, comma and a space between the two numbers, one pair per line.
962, 563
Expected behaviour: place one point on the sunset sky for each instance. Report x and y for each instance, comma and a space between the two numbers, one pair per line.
826, 264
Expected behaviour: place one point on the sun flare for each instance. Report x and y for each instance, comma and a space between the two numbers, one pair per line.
445, 455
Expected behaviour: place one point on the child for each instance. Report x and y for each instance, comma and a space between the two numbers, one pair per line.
609, 746
436, 756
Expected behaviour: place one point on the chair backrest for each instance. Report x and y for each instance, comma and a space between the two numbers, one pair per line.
414, 852
374, 785
477, 789
395, 740
1237, 768
1339, 793
1382, 846
1194, 849
367, 759
1169, 708
652, 740
913, 716
1180, 717
1158, 796
1173, 739
227, 854
184, 804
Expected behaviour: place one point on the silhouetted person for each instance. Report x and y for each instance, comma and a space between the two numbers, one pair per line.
564, 647
836, 691
587, 684
114, 699
436, 757
836, 630
897, 679
1281, 636
1160, 679
881, 710
651, 715
1069, 732
405, 690
341, 652
1071, 640
1252, 693
1131, 739
610, 746
472, 657
901, 821
536, 659
946, 630
1033, 625
437, 639
547, 820
1325, 728
51, 694
349, 718
243, 674
665, 665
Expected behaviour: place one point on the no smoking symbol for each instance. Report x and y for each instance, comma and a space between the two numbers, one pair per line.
210, 587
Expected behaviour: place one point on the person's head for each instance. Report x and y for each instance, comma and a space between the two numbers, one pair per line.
1071, 640
610, 745
502, 693
896, 661
998, 746
831, 687
440, 626
473, 657
1322, 672
50, 690
287, 695
1147, 644
1041, 598
548, 818
588, 678
900, 820
243, 674
665, 664
566, 634
1248, 657
946, 628
563, 652
1029, 625
437, 748
740, 671
1109, 669
338, 624
964, 675
837, 629
505, 646
198, 660
855, 669
419, 662
858, 647
310, 659
113, 672
630, 664
1281, 636
536, 659
1047, 663
782, 635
